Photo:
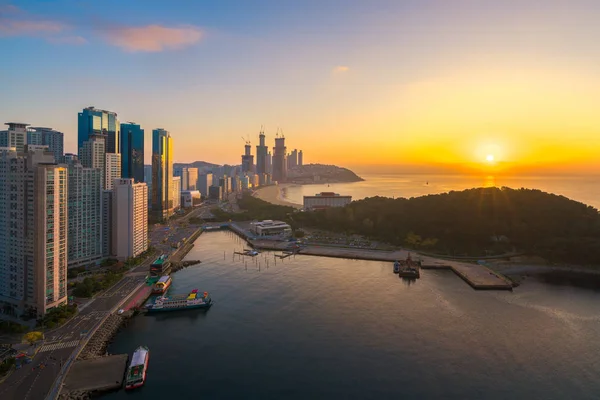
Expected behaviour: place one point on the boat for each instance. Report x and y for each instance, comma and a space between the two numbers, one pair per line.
409, 268
396, 267
161, 285
136, 373
180, 302
251, 252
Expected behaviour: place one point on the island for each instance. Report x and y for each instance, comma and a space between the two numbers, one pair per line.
321, 173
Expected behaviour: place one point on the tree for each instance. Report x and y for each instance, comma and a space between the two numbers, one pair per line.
32, 337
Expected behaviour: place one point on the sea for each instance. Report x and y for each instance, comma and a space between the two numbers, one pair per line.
325, 328
585, 189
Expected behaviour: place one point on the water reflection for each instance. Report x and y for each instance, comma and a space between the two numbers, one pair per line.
573, 279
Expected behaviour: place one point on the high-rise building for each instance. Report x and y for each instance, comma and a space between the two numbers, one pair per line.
15, 136
300, 159
248, 159
261, 154
162, 174
33, 231
189, 177
48, 137
92, 121
148, 174
204, 182
129, 218
85, 215
34, 137
132, 151
176, 192
92, 155
68, 158
107, 223
269, 163
112, 169
292, 160
279, 160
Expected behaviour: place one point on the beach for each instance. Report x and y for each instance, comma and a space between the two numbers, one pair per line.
272, 194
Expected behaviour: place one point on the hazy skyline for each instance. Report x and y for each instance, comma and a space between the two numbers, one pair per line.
353, 83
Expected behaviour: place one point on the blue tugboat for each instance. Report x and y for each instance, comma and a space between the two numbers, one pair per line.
180, 302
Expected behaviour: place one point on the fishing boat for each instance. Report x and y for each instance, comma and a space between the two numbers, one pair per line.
180, 302
409, 268
136, 373
161, 285
396, 266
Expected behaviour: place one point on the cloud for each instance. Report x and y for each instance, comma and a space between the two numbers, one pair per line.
8, 9
76, 40
340, 69
28, 27
153, 38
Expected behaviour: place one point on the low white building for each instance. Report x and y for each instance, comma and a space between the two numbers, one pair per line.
326, 200
188, 196
271, 228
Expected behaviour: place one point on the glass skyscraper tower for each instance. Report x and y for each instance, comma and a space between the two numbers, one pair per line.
162, 174
92, 121
132, 152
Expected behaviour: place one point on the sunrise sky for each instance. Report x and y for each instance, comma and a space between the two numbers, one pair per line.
363, 84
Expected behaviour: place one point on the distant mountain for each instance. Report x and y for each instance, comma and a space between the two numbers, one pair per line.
196, 164
321, 173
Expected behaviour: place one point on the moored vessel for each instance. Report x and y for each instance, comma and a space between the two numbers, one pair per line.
396, 266
180, 302
136, 373
409, 268
161, 285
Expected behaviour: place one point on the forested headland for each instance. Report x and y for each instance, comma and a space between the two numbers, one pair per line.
474, 222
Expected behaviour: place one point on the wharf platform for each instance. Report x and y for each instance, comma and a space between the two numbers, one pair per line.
477, 276
97, 375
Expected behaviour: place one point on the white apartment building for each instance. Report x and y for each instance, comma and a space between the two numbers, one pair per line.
129, 218
15, 136
112, 169
33, 232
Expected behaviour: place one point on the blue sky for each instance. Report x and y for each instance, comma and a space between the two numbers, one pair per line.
341, 78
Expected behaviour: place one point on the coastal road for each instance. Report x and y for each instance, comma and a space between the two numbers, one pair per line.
34, 381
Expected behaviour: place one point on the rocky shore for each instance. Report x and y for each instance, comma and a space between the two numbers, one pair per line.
97, 345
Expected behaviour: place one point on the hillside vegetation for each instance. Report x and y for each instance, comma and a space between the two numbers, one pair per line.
474, 222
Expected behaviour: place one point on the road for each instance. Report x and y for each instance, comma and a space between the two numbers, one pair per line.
33, 381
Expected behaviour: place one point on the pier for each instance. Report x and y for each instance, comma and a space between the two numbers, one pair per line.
96, 375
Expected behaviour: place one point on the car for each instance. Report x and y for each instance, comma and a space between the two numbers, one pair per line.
121, 311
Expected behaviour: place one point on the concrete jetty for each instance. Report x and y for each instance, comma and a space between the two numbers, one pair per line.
95, 375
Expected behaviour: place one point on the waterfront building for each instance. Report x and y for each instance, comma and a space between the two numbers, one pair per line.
270, 228
292, 160
188, 197
247, 159
107, 196
279, 160
236, 184
215, 193
300, 158
48, 137
326, 200
112, 169
33, 231
176, 193
162, 174
129, 218
204, 182
15, 136
84, 237
132, 152
245, 182
92, 121
261, 154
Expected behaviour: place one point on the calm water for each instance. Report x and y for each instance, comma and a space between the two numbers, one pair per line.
338, 329
584, 189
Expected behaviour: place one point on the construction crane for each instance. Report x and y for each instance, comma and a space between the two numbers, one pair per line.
247, 140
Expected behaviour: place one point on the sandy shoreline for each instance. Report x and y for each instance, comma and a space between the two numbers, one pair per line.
272, 194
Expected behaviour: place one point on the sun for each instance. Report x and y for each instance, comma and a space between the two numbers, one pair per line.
489, 158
